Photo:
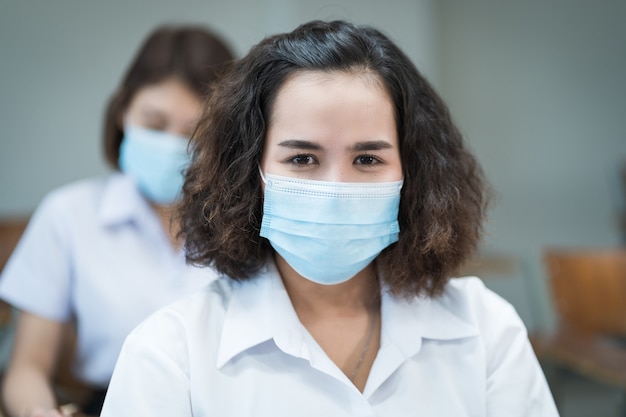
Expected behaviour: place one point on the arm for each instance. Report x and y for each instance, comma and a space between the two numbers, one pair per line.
26, 389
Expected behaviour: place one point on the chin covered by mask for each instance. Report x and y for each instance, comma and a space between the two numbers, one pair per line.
329, 231
156, 161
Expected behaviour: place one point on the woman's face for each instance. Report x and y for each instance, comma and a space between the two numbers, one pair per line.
337, 126
168, 106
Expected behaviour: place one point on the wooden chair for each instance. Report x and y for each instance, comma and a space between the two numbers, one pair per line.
622, 211
10, 232
588, 289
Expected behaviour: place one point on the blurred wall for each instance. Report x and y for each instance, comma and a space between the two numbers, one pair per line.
61, 60
539, 89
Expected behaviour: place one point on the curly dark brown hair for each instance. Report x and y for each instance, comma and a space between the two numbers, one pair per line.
444, 197
192, 54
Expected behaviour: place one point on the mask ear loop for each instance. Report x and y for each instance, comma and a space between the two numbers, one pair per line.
262, 176
125, 120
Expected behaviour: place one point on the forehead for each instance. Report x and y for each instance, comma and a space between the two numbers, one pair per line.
169, 96
333, 110
300, 88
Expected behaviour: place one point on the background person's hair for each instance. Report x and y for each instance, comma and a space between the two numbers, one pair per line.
443, 199
192, 54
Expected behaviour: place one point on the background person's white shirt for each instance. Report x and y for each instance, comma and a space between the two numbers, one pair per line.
95, 251
238, 349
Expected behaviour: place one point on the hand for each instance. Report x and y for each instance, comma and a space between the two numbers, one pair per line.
47, 412
67, 410
71, 410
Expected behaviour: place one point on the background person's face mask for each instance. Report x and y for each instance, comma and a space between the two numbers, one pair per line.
329, 231
156, 161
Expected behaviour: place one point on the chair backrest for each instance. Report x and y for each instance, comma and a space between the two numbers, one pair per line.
589, 288
10, 232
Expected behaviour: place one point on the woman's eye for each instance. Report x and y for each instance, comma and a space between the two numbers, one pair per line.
367, 160
153, 126
303, 160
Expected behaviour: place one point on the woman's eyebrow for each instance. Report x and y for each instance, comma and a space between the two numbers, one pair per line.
153, 113
300, 144
373, 145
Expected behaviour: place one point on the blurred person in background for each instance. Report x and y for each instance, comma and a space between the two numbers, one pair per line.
101, 254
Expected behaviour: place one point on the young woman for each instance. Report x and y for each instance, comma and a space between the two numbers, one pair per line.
102, 254
332, 190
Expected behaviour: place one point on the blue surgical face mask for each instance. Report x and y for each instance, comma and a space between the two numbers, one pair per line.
156, 161
329, 231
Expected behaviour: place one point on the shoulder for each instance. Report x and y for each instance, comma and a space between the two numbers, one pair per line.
66, 206
200, 311
78, 194
469, 299
465, 308
187, 328
93, 202
471, 293
514, 383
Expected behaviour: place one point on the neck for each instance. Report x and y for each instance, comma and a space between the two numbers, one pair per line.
169, 223
344, 319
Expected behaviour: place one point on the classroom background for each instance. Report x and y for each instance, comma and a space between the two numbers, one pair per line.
537, 87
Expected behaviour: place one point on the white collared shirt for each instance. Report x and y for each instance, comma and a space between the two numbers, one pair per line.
96, 251
238, 349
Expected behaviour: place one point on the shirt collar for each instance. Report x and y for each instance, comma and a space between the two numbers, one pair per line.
260, 310
121, 202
